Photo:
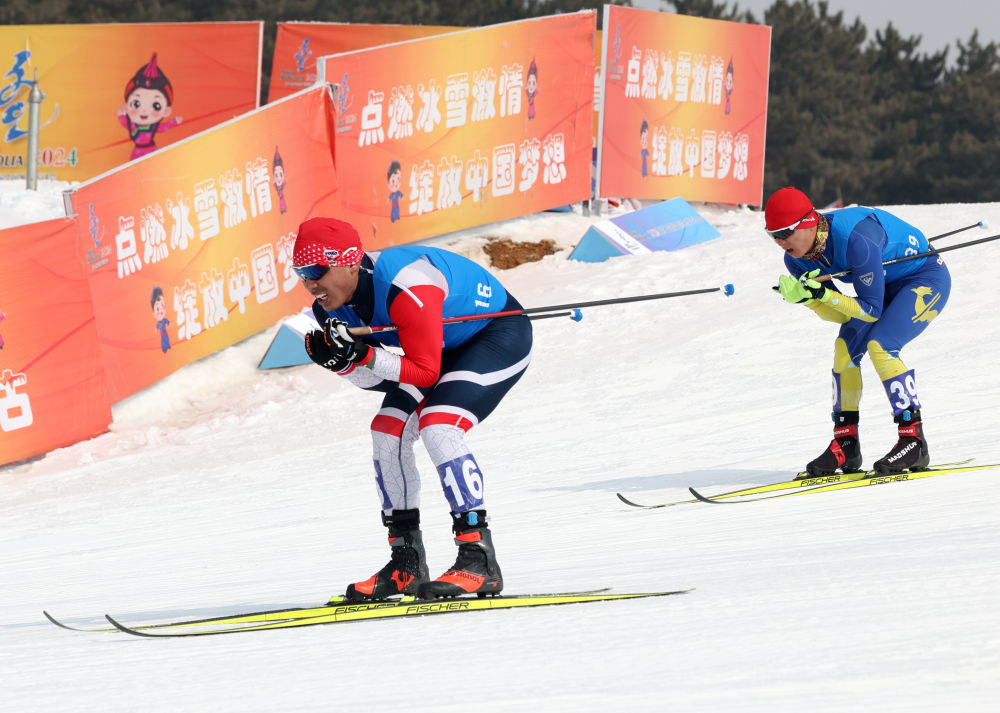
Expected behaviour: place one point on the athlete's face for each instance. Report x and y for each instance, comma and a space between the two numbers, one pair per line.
799, 242
335, 287
147, 106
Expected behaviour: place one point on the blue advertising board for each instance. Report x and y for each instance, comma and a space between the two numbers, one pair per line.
670, 225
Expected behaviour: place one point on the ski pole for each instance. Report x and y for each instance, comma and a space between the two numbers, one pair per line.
727, 289
576, 315
822, 278
980, 224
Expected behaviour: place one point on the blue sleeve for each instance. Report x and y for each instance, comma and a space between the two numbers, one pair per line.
864, 257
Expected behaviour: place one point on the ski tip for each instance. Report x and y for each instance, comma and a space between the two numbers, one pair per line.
728, 289
134, 632
54, 620
701, 497
122, 627
652, 507
682, 591
576, 315
627, 501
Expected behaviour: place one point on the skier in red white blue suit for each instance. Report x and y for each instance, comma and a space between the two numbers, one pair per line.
448, 378
893, 305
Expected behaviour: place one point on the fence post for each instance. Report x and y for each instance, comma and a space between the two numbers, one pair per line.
35, 99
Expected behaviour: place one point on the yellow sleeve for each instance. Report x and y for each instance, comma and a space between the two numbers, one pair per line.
847, 306
826, 312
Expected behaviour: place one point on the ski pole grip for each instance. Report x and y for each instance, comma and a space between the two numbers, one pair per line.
818, 278
321, 316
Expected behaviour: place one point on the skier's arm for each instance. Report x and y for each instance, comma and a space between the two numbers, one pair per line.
417, 312
826, 300
415, 305
334, 348
867, 276
797, 293
367, 380
826, 312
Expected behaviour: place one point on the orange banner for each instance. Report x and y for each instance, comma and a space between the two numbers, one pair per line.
189, 251
466, 128
117, 92
299, 45
598, 50
52, 386
685, 107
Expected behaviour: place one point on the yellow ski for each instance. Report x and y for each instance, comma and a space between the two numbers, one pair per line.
336, 605
800, 482
859, 483
402, 609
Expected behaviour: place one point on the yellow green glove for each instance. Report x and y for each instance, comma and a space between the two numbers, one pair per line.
802, 289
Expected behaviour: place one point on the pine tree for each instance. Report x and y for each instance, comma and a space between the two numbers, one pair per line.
966, 162
908, 84
712, 10
819, 127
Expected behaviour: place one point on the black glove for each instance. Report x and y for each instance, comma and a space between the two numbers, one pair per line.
334, 348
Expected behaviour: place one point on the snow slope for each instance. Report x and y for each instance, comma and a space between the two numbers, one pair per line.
224, 488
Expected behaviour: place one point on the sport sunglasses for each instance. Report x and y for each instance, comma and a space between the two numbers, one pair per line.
310, 272
785, 233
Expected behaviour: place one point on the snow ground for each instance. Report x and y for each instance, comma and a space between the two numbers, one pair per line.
224, 488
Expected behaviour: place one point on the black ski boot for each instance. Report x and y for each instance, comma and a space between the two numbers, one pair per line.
407, 568
910, 451
476, 570
844, 451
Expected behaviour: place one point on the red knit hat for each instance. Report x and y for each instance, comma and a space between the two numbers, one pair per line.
327, 241
789, 208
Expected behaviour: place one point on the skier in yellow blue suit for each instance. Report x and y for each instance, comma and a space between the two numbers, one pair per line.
893, 305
